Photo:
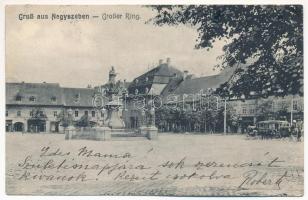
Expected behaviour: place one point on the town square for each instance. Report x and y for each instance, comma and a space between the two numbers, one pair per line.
154, 100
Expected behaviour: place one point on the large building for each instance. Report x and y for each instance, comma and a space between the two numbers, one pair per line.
188, 92
36, 107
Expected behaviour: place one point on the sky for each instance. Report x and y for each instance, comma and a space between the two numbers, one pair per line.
77, 53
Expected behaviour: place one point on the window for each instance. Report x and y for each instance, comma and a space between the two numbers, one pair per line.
86, 112
18, 98
31, 113
244, 110
55, 114
76, 97
76, 113
53, 99
295, 105
93, 113
102, 114
18, 113
6, 113
146, 79
283, 104
273, 105
32, 98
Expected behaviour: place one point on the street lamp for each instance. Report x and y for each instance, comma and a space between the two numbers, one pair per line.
225, 116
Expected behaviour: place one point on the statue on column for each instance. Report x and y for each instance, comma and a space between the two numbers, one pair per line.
70, 119
143, 120
151, 117
148, 114
70, 130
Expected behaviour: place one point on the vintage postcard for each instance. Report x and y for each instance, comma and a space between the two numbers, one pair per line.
154, 100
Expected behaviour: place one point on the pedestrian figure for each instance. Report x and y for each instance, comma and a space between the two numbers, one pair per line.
299, 135
295, 131
298, 132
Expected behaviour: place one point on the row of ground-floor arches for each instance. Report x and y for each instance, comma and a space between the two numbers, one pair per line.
31, 126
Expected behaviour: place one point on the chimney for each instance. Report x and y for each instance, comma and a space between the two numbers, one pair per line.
160, 61
168, 61
185, 74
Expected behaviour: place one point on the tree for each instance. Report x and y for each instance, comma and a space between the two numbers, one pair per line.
265, 110
232, 118
282, 112
265, 44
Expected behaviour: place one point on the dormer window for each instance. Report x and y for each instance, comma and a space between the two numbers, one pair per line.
146, 90
147, 79
136, 80
136, 91
76, 97
32, 98
53, 99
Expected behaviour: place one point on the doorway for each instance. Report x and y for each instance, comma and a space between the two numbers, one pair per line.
36, 125
19, 127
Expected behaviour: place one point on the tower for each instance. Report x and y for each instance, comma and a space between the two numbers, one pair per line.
112, 75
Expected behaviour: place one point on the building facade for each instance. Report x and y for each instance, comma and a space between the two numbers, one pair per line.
36, 107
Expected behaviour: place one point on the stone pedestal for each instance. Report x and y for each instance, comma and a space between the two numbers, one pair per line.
47, 126
103, 133
97, 133
69, 132
142, 130
151, 132
114, 120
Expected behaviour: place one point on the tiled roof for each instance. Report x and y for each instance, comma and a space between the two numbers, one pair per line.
193, 86
47, 94
166, 70
155, 78
79, 97
43, 93
172, 85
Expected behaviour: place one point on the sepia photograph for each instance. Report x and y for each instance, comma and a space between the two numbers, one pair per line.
154, 100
